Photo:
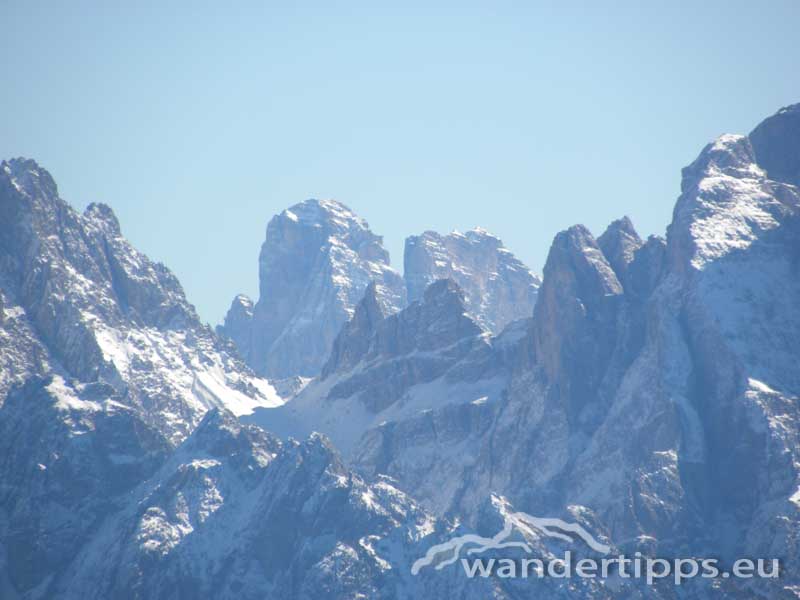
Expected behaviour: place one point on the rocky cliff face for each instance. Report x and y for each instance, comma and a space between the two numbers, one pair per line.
619, 243
702, 425
81, 302
497, 287
315, 264
239, 323
390, 367
774, 144
575, 325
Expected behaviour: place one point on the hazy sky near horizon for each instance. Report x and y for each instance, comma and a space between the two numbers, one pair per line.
198, 121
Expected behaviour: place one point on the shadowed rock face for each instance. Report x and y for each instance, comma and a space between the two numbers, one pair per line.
315, 264
645, 270
575, 325
498, 288
239, 323
776, 145
424, 341
353, 341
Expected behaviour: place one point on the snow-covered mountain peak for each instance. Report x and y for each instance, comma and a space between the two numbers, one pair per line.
622, 226
330, 223
498, 287
316, 262
730, 155
92, 308
28, 177
103, 216
479, 235
324, 213
727, 202
244, 301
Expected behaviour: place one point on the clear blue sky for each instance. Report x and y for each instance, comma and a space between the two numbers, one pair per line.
198, 121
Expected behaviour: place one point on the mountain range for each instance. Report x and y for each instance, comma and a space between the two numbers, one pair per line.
330, 433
